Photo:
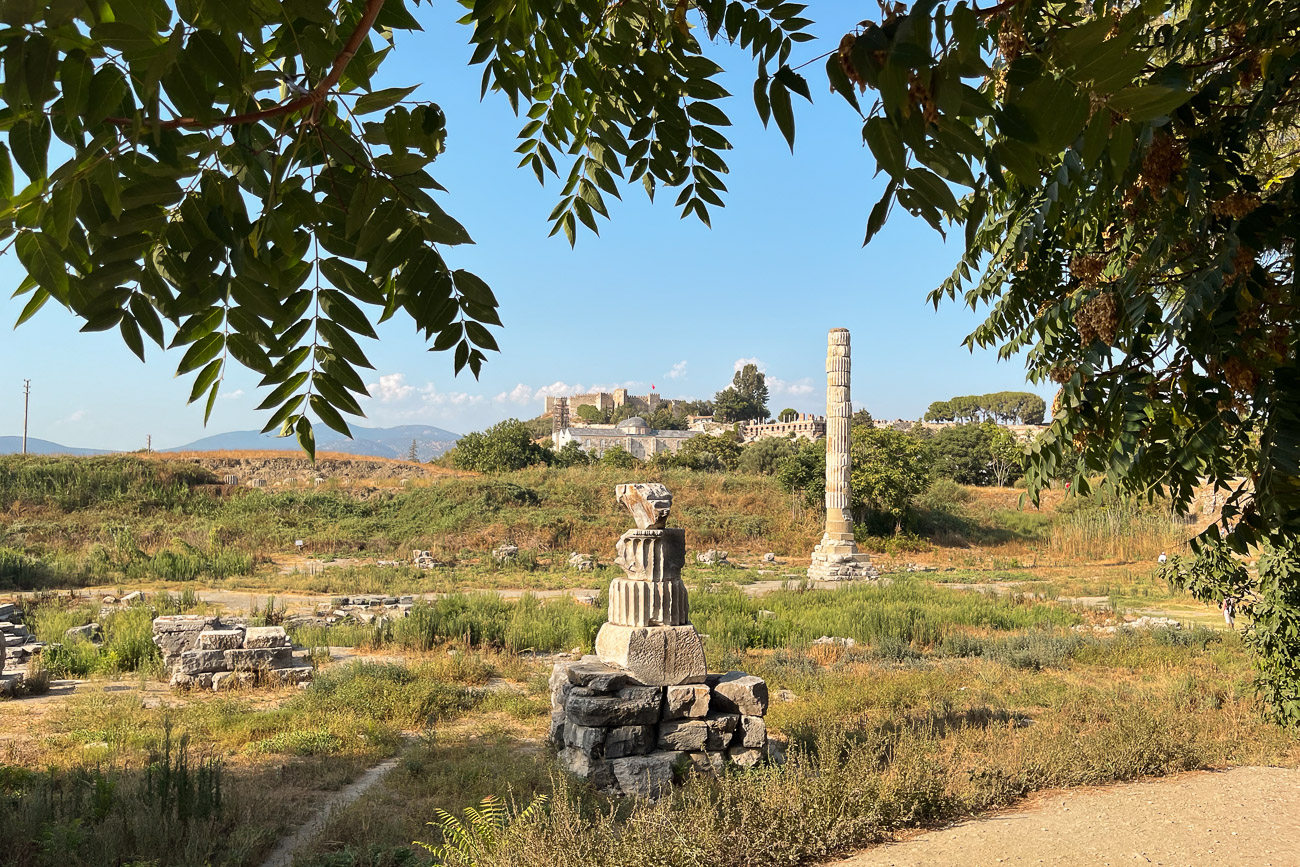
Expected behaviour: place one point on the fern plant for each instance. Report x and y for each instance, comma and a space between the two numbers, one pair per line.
465, 842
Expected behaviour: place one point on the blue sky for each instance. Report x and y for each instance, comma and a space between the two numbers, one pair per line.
653, 300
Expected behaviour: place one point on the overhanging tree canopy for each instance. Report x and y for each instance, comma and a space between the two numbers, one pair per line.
222, 178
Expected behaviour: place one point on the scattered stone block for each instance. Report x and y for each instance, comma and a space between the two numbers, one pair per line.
687, 735
745, 757
687, 700
630, 706
710, 764
595, 771
199, 661
600, 676
629, 741
753, 732
737, 692
133, 597
648, 776
90, 632
251, 658
292, 674
265, 636
650, 504
589, 739
220, 639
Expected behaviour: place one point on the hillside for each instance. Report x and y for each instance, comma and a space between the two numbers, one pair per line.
391, 442
14, 446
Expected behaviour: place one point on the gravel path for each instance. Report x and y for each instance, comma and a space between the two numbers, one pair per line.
1245, 817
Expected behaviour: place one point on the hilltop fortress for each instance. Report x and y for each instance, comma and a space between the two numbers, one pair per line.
607, 401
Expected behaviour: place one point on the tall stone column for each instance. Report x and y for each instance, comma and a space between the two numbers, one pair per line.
837, 556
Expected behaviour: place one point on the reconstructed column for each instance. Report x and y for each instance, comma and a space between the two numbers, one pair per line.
837, 556
649, 631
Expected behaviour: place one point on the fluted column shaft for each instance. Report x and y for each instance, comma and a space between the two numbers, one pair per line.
839, 410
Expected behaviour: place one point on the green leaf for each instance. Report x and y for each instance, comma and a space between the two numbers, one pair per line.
706, 112
880, 212
35, 303
481, 336
211, 53
131, 336
306, 437
44, 262
75, 74
932, 188
283, 390
794, 81
782, 111
342, 310
329, 415
1147, 103
147, 318
205, 379
6, 174
204, 350
840, 82
886, 145
382, 99
30, 143
474, 288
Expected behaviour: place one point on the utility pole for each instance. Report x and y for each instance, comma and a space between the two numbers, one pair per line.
148, 442
27, 395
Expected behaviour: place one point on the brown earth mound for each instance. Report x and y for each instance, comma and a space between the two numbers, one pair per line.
275, 468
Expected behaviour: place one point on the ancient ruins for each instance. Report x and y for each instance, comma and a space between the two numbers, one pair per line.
644, 708
203, 652
837, 557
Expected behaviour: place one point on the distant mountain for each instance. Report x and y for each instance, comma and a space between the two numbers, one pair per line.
379, 442
14, 446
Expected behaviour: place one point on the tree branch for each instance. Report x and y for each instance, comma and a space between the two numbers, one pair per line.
313, 97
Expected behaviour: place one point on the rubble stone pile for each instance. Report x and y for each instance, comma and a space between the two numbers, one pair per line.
632, 739
641, 711
19, 645
204, 652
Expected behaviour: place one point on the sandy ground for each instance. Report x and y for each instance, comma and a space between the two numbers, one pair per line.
1245, 817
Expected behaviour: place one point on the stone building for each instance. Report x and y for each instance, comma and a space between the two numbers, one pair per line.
634, 435
607, 401
805, 427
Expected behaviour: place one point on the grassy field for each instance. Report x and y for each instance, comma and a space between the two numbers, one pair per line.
966, 688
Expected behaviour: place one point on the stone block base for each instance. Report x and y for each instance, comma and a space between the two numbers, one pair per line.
601, 724
833, 563
654, 655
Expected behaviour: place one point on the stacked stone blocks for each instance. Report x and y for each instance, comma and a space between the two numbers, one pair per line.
205, 653
630, 738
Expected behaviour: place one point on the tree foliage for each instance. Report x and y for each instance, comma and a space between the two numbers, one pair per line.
763, 457
889, 470
974, 454
803, 474
1123, 178
745, 399
504, 447
1006, 407
221, 178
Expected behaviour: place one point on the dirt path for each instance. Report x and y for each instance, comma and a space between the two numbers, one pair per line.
282, 854
1245, 817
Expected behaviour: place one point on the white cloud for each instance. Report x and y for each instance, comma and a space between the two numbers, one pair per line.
520, 394
391, 388
429, 394
233, 395
76, 416
678, 370
741, 362
559, 389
